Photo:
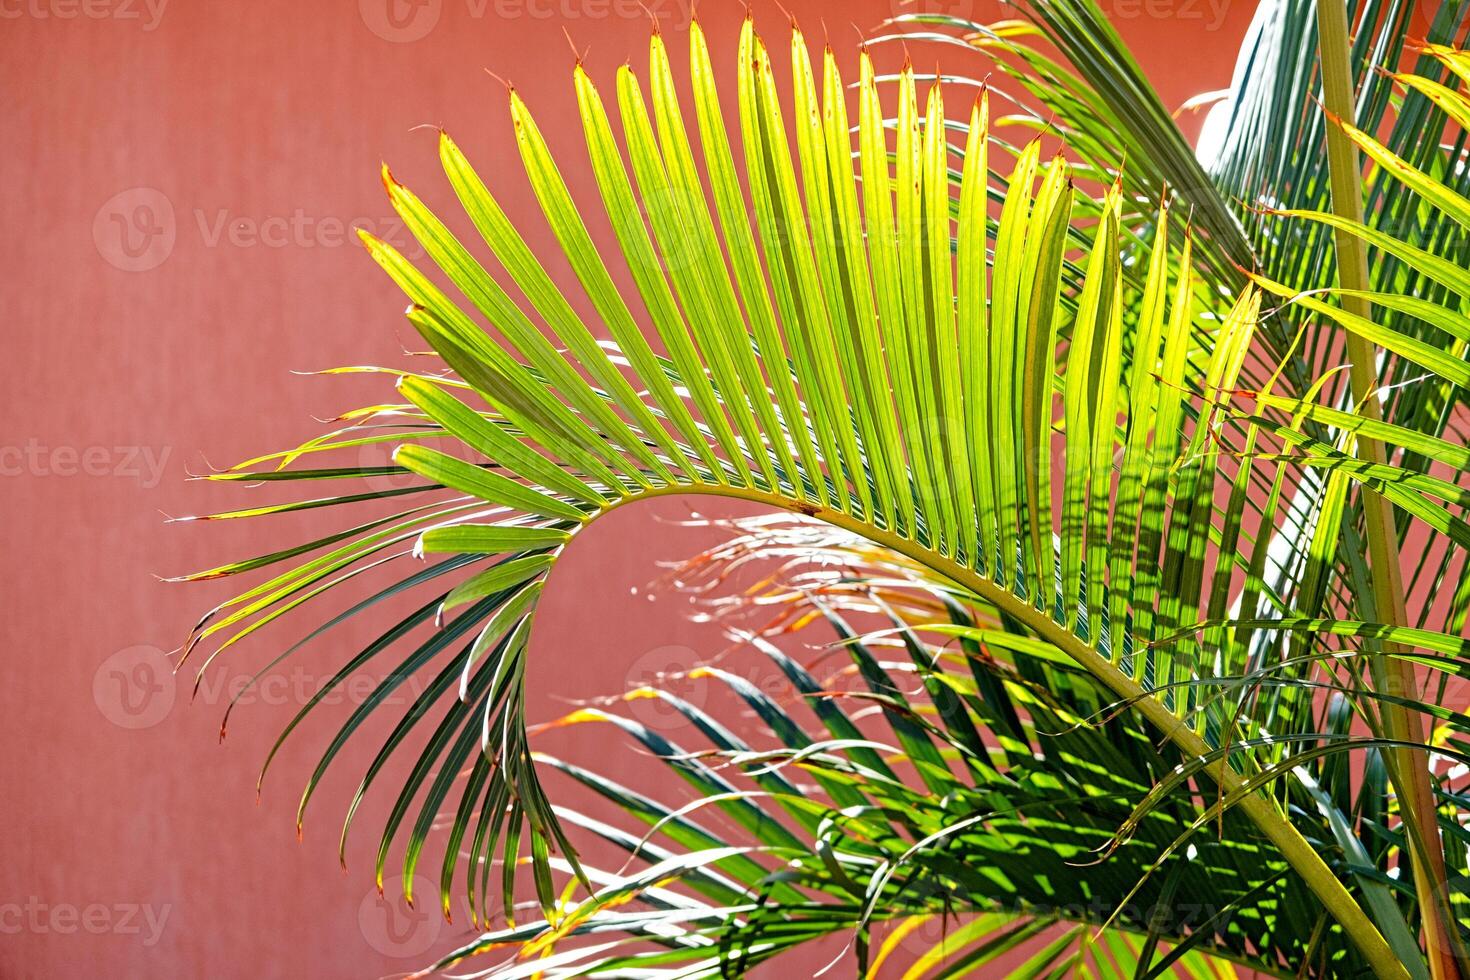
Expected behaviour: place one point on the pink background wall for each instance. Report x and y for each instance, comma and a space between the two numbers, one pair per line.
243, 137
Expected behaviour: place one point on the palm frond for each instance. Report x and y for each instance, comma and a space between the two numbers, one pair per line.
969, 808
1080, 480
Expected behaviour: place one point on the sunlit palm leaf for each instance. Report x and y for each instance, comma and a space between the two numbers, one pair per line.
811, 367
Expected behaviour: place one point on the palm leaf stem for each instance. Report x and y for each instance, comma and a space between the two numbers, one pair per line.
1409, 768
1259, 808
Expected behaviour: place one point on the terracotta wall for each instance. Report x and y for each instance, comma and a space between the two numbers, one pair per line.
178, 180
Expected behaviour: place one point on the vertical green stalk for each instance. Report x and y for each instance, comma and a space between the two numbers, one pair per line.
1409, 768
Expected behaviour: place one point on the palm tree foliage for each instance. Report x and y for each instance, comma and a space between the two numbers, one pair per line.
982, 809
1096, 481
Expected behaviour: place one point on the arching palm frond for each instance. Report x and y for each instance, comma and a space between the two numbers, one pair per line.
956, 790
1039, 415
1267, 156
